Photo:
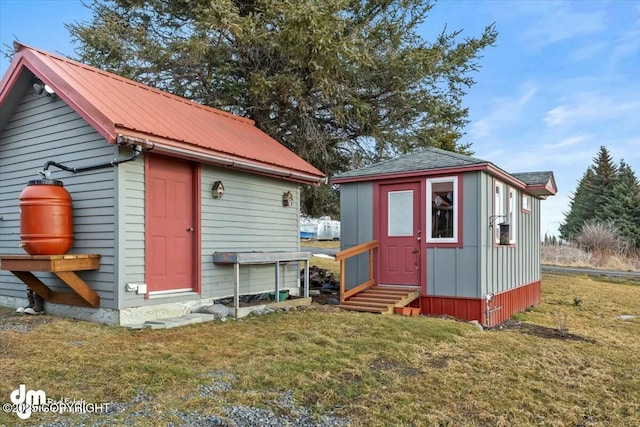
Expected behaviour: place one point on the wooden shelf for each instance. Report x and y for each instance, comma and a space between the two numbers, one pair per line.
64, 267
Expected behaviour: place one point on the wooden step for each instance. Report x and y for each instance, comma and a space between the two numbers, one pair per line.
387, 292
381, 299
367, 304
365, 297
358, 308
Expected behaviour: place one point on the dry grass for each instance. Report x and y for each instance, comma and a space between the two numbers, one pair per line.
573, 257
326, 244
326, 263
376, 370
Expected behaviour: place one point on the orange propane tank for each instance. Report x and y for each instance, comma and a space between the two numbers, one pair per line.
46, 218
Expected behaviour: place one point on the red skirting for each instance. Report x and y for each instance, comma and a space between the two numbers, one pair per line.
501, 307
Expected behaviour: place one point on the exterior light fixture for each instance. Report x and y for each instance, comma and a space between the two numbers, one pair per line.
287, 199
217, 191
41, 88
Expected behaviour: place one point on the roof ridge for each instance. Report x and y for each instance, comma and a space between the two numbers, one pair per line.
460, 156
18, 46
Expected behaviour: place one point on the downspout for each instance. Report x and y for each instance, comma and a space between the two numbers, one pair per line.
488, 310
134, 155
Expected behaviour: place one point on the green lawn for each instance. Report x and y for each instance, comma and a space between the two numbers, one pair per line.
371, 370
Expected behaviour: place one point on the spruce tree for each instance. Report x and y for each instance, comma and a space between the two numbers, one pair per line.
340, 83
581, 207
623, 204
605, 177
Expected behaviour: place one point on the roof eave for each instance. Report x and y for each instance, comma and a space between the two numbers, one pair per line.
187, 151
488, 167
542, 191
24, 58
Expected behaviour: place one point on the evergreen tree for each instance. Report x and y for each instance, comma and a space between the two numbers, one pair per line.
623, 204
606, 194
341, 82
605, 176
581, 207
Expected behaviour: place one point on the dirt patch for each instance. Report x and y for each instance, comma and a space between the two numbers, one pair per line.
540, 331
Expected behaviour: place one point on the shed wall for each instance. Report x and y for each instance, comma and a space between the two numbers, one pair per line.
455, 271
249, 217
43, 128
508, 267
356, 227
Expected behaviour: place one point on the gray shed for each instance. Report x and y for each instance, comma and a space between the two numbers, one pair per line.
159, 185
460, 231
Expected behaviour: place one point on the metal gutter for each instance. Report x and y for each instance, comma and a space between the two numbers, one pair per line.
219, 160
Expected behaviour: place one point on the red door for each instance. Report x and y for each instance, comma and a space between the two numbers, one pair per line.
400, 234
170, 225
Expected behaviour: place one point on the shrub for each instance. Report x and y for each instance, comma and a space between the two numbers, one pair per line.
602, 237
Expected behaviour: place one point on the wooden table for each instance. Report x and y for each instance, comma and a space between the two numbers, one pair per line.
237, 258
63, 266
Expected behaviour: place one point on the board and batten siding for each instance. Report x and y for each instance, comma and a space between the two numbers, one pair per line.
455, 271
508, 267
356, 227
40, 129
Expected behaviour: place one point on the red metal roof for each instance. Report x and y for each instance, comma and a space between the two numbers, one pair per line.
117, 106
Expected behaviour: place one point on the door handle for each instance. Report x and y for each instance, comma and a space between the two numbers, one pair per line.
416, 251
189, 228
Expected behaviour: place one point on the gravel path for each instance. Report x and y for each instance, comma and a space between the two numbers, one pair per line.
289, 413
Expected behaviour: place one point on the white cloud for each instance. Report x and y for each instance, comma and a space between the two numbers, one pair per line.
562, 21
503, 111
590, 107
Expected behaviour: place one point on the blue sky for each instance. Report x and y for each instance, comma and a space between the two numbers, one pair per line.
562, 80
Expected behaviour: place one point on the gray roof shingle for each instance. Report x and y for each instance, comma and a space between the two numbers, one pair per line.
426, 159
533, 178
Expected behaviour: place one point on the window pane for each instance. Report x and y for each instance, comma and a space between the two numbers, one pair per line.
442, 210
400, 213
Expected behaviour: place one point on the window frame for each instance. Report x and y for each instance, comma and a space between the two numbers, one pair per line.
527, 208
455, 239
512, 212
499, 214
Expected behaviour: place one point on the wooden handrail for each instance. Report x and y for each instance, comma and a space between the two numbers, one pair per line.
342, 256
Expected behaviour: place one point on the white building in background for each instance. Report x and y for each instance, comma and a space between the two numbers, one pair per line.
323, 228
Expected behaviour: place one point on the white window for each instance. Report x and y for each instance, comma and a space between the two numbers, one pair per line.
442, 210
526, 203
512, 218
498, 210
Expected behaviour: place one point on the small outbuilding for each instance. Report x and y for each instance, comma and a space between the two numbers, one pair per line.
175, 204
461, 232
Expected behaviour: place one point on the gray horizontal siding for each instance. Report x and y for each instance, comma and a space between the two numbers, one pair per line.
42, 129
250, 217
131, 231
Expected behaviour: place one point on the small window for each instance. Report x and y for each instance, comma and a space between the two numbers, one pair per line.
442, 210
400, 213
512, 219
526, 203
